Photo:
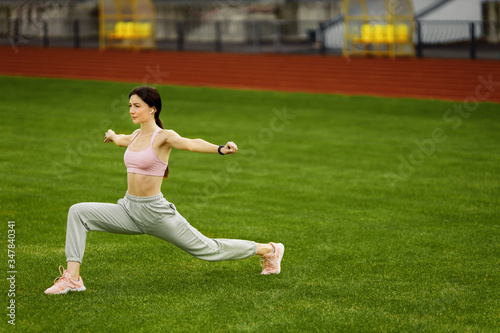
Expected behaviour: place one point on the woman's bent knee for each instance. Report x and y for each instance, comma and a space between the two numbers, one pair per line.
75, 216
81, 209
75, 209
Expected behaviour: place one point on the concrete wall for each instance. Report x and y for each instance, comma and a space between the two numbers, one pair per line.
467, 10
32, 17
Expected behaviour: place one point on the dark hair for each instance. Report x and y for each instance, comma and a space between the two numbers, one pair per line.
151, 97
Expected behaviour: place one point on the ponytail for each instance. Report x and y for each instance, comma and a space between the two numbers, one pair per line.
158, 121
160, 124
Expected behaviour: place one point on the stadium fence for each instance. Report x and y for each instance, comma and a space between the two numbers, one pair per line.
446, 39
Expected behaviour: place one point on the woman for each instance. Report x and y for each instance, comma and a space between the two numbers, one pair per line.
144, 210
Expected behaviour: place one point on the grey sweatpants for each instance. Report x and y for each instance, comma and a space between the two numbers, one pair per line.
154, 216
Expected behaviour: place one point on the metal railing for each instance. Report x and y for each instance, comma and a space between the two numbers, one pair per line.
237, 35
463, 39
458, 39
290, 36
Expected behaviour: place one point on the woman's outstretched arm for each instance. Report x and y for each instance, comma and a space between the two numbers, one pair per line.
176, 141
121, 140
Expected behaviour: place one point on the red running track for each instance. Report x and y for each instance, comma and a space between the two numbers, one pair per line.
445, 79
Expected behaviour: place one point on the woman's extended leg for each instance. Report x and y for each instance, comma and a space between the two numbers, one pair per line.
172, 227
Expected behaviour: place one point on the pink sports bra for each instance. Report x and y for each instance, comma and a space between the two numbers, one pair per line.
144, 162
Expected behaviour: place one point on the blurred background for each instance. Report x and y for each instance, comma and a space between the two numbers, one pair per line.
368, 146
435, 28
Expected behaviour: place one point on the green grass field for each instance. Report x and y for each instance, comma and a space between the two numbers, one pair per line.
388, 209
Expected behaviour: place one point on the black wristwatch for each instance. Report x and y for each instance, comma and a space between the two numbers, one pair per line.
220, 147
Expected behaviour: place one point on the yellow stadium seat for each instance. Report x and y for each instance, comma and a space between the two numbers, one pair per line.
129, 30
366, 33
118, 32
130, 34
402, 35
120, 29
389, 34
379, 33
144, 29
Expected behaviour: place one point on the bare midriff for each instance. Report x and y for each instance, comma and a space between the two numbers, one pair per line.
142, 185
